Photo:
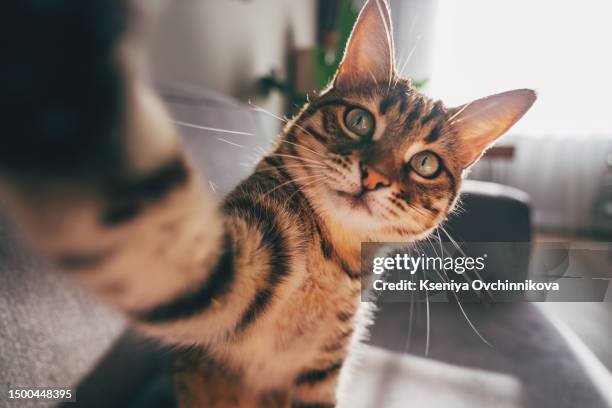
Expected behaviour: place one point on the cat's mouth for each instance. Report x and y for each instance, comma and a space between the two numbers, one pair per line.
356, 200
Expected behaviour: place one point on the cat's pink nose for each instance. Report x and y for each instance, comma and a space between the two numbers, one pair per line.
371, 179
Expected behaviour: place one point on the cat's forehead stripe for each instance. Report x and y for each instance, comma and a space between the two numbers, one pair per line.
386, 103
414, 113
436, 110
434, 134
325, 103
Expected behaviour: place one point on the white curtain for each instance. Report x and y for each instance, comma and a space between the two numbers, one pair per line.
565, 177
559, 47
562, 49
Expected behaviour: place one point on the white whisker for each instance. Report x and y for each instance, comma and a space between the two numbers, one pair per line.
261, 150
303, 147
470, 322
229, 142
452, 120
467, 319
212, 129
299, 158
373, 77
410, 54
295, 180
212, 186
257, 108
464, 255
411, 313
296, 166
300, 187
428, 322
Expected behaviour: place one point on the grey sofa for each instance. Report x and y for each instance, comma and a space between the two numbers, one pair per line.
52, 333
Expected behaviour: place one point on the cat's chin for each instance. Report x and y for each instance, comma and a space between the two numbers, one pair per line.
356, 201
358, 213
353, 210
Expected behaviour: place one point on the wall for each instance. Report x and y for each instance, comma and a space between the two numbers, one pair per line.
414, 24
227, 45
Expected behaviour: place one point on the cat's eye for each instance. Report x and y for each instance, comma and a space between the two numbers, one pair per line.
359, 121
426, 164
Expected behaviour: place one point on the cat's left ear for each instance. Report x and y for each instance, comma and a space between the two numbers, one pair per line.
369, 56
480, 123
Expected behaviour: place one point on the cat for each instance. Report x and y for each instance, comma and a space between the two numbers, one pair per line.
263, 291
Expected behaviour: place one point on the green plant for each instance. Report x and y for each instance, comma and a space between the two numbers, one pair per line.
326, 61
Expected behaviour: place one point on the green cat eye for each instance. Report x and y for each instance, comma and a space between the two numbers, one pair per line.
359, 121
426, 164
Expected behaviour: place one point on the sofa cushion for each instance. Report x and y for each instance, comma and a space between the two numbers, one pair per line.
523, 345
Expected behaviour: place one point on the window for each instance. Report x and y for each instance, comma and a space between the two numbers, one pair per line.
563, 49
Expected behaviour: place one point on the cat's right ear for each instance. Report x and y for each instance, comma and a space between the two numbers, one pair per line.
369, 55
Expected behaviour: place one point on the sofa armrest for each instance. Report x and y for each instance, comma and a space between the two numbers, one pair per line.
491, 212
493, 220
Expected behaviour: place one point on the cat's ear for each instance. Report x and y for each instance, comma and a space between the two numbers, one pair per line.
479, 123
369, 55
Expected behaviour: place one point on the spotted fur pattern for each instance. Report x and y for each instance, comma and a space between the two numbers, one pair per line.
260, 297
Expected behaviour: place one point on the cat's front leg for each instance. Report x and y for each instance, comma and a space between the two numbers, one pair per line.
317, 388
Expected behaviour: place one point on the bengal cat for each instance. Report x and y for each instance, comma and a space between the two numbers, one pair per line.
264, 290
